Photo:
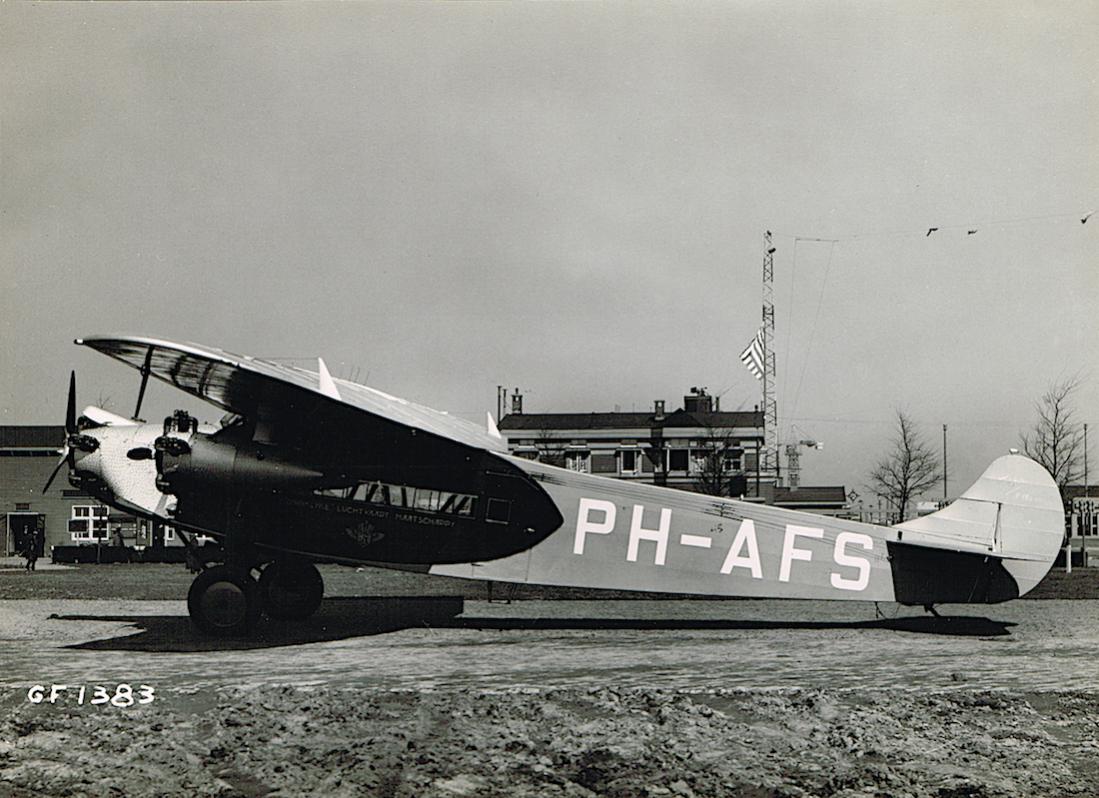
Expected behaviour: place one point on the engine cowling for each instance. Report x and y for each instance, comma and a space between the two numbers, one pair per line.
196, 460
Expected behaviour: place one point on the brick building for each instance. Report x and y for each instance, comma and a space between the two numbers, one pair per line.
698, 447
66, 516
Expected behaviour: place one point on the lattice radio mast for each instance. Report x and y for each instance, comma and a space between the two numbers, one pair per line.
770, 406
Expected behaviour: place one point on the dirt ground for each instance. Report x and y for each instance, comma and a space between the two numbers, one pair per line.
747, 699
570, 742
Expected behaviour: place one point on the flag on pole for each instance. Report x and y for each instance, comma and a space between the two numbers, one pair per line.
752, 356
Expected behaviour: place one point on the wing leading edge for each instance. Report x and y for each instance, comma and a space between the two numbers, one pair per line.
241, 384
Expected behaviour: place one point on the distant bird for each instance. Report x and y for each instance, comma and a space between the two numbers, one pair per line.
970, 232
931, 230
1085, 219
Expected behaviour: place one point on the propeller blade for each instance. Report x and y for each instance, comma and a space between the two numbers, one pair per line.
64, 458
70, 429
70, 410
145, 371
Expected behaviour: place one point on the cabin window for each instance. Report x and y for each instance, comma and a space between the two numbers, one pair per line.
427, 500
499, 511
424, 500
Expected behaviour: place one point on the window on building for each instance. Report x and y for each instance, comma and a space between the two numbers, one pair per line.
88, 522
577, 461
22, 506
677, 460
628, 461
731, 462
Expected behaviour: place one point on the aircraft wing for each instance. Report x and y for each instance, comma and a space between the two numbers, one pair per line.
252, 386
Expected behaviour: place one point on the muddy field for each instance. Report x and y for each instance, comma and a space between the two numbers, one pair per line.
618, 697
577, 742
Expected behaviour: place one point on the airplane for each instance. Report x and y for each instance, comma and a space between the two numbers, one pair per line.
306, 468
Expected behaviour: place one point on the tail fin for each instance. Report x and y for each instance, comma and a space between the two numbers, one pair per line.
1013, 513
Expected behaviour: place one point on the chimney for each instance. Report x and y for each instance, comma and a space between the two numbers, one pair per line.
658, 410
517, 402
698, 401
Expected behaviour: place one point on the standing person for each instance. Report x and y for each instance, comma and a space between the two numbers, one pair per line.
30, 550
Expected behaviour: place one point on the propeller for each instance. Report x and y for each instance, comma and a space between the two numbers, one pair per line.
70, 429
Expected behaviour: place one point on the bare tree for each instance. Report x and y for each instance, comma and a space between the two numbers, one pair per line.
907, 470
551, 448
713, 472
1056, 440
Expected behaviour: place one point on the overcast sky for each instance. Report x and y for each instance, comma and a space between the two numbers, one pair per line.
567, 198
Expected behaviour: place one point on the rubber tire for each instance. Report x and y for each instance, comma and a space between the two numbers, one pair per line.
290, 590
226, 590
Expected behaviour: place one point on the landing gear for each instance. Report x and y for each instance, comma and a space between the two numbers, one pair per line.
223, 601
290, 590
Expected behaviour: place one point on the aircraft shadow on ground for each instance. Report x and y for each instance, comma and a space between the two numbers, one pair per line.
337, 619
958, 625
345, 618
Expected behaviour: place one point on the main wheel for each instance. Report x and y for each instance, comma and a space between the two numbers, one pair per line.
290, 590
223, 601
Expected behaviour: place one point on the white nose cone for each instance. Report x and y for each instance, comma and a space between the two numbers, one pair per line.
133, 482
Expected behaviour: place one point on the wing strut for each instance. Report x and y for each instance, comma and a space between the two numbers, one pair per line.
145, 371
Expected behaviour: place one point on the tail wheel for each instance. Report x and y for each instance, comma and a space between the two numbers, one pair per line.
223, 601
290, 590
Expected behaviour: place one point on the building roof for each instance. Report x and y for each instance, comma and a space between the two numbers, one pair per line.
1079, 491
30, 436
592, 421
811, 494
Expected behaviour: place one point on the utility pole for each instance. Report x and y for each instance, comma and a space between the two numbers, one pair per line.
770, 406
944, 462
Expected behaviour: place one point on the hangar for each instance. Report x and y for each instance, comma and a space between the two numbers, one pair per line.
66, 516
